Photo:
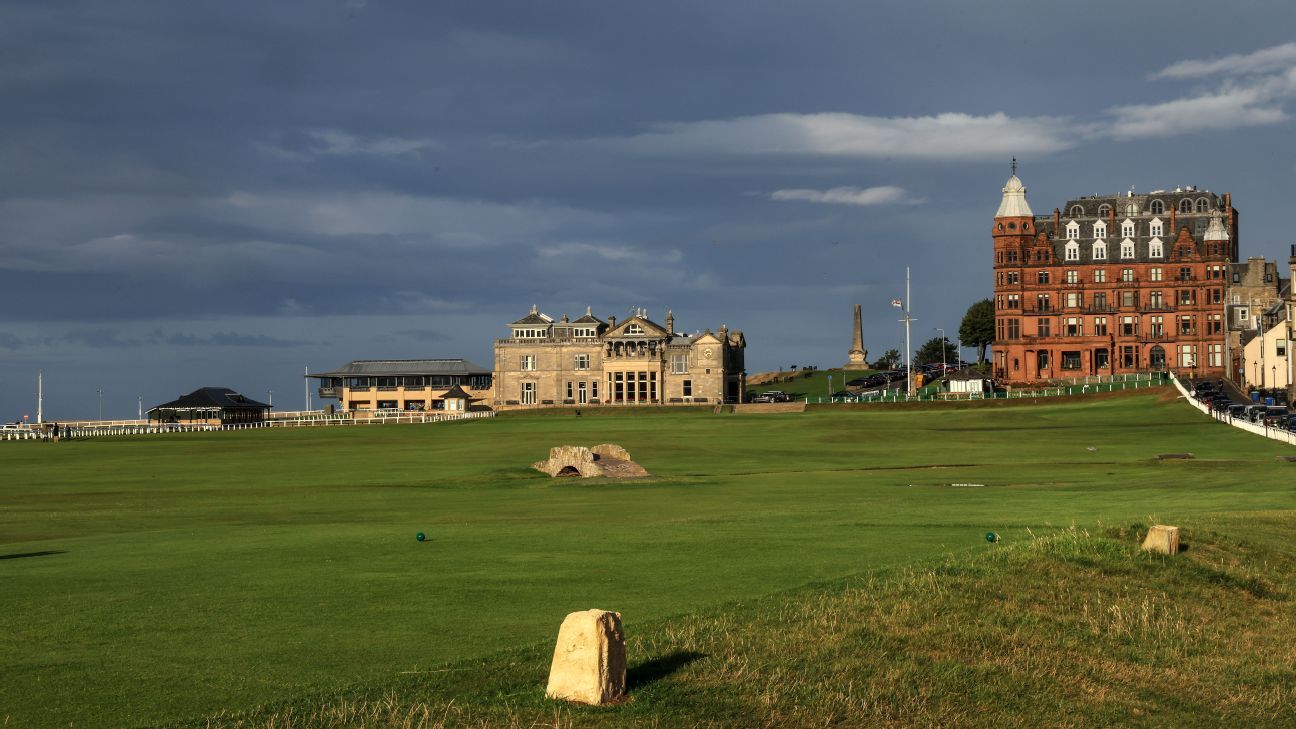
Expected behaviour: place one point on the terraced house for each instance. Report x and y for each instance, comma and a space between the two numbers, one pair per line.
590, 361
1112, 284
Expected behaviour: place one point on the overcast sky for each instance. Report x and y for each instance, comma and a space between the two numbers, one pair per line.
224, 194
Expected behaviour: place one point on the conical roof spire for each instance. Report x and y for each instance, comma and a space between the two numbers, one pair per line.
1014, 203
1215, 230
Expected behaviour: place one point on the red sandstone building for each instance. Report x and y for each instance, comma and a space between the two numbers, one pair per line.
1112, 284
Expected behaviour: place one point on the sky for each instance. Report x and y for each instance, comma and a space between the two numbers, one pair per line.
226, 194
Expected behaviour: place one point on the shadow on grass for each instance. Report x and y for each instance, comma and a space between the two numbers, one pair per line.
649, 672
33, 554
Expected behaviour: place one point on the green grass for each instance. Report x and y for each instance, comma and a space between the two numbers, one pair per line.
200, 573
813, 384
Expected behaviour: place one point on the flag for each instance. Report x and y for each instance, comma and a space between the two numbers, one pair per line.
897, 303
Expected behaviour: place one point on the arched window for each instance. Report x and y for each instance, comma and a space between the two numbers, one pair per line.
1131, 209
1156, 207
1202, 205
1155, 249
1099, 251
1185, 206
1076, 211
1073, 251
1104, 210
1127, 249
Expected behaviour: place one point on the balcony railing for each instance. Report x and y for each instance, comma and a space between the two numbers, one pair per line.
328, 392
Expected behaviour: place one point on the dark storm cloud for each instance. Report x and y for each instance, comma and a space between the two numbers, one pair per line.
224, 190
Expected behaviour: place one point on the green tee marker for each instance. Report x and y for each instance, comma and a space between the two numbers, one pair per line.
420, 536
992, 537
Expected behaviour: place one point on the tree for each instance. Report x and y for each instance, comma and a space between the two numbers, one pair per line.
977, 329
930, 351
889, 360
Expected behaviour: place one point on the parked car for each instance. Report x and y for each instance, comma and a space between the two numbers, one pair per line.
1237, 411
772, 396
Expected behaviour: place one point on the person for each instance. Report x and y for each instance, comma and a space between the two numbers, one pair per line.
56, 432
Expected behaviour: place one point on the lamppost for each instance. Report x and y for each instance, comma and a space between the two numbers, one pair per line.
942, 333
830, 390
99, 393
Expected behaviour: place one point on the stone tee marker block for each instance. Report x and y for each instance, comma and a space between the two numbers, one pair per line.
589, 663
1163, 539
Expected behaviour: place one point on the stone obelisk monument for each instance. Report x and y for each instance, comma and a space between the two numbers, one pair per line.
858, 355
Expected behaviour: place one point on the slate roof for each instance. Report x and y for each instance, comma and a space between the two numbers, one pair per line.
362, 367
457, 392
211, 397
589, 319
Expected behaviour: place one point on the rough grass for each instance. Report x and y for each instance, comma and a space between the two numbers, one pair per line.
1075, 628
149, 579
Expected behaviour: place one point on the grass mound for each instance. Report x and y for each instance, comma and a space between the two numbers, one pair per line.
1072, 628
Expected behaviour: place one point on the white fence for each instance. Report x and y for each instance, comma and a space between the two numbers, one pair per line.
1278, 434
85, 430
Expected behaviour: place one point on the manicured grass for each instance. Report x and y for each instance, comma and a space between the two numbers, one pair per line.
179, 576
811, 384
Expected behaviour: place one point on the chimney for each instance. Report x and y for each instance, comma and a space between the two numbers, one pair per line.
611, 322
1057, 221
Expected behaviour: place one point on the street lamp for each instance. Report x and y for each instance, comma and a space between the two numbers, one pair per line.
99, 392
942, 333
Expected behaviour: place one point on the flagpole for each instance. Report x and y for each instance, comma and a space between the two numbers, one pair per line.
40, 397
904, 306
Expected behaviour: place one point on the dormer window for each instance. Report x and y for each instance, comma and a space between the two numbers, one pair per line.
1185, 206
1156, 207
1203, 205
1131, 209
1156, 228
1099, 251
1073, 251
634, 329
1100, 230
1073, 230
1127, 229
1155, 249
530, 333
1127, 248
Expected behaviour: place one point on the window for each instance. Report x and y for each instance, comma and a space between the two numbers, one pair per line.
1202, 205
1280, 347
1100, 326
1073, 230
1101, 359
1154, 274
1187, 297
1128, 299
1100, 275
1099, 251
1127, 229
1185, 273
688, 388
1157, 325
1100, 300
1042, 326
1155, 300
1072, 277
1104, 210
1074, 299
634, 329
594, 389
1127, 248
1100, 230
528, 393
1155, 249
1042, 277
1014, 301
1127, 275
1187, 325
1217, 296
1129, 356
584, 332
1041, 360
1185, 206
1156, 228
528, 362
1156, 207
1241, 316
1073, 251
1014, 277
1215, 324
1216, 354
1129, 326
582, 362
1074, 327
569, 390
1043, 302
1215, 272
1076, 211
530, 333
1070, 360
1187, 355
679, 364
1014, 329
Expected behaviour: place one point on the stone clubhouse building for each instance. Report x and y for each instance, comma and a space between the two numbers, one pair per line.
590, 361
